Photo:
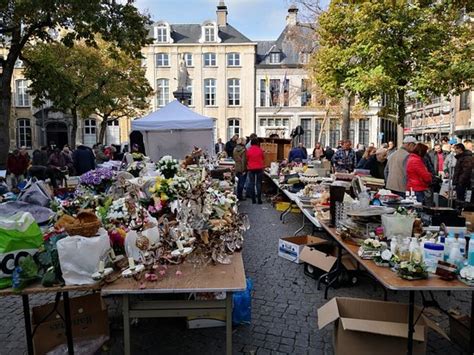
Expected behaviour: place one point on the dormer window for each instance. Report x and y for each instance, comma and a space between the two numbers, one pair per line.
209, 33
162, 33
275, 58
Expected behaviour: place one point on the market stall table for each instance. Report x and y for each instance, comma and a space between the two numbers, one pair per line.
36, 289
391, 281
191, 279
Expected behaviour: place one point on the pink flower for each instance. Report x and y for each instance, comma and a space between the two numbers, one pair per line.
179, 273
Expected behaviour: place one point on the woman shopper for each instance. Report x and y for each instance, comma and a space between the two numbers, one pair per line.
255, 166
318, 152
418, 176
376, 163
462, 171
240, 158
369, 152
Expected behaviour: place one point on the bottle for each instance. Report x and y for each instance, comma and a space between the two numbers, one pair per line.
447, 245
462, 244
455, 256
471, 250
441, 237
394, 247
407, 195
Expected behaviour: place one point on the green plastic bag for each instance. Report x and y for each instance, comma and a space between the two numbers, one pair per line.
20, 236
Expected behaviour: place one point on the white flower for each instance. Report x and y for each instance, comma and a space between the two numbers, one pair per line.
386, 255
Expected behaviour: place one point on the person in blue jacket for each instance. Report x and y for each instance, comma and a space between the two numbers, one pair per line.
298, 153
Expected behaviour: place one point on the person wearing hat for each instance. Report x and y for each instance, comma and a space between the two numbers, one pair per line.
395, 170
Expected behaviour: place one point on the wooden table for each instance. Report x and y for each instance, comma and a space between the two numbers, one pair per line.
59, 290
391, 281
210, 278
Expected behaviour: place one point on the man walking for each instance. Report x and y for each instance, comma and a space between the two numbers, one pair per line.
219, 146
344, 160
395, 171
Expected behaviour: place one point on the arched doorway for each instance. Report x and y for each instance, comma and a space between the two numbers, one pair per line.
56, 133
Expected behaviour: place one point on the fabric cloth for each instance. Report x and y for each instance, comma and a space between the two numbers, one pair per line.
255, 185
395, 171
255, 158
83, 160
418, 176
463, 170
240, 158
344, 160
297, 154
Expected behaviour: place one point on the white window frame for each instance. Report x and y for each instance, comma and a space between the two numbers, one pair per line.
90, 131
190, 89
275, 58
23, 127
162, 92
162, 33
233, 92
210, 92
233, 59
210, 59
188, 60
233, 127
162, 60
22, 95
210, 33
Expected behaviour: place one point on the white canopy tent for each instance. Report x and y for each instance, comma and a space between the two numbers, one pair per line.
175, 130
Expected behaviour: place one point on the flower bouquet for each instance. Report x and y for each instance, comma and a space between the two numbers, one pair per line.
168, 166
384, 258
371, 248
137, 156
136, 168
98, 180
412, 270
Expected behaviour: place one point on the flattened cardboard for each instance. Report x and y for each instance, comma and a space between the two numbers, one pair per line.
290, 247
323, 256
364, 326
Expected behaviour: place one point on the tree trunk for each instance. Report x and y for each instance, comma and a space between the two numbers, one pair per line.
323, 127
401, 107
72, 144
5, 112
102, 130
346, 116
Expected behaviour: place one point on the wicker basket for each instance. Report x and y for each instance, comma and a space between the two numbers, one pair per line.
86, 224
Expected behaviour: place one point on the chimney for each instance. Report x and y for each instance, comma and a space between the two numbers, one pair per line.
292, 15
221, 14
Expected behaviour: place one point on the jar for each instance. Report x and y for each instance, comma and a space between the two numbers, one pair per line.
432, 252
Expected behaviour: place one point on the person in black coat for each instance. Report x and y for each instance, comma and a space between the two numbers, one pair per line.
328, 153
83, 159
230, 145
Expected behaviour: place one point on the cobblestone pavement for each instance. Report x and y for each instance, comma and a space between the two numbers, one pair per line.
284, 314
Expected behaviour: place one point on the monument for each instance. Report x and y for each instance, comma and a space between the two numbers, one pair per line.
182, 94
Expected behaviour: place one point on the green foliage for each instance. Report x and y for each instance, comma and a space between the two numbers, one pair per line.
370, 47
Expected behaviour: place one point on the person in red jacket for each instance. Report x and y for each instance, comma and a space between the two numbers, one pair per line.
255, 166
418, 176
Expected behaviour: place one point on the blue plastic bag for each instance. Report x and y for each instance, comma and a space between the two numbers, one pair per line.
242, 307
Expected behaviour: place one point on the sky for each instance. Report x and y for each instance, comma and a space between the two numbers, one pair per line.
256, 19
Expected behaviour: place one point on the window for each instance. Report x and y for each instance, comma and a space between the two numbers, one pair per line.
113, 132
286, 92
209, 92
23, 135
163, 92
190, 89
334, 133
209, 59
90, 132
304, 57
274, 58
162, 60
286, 122
233, 127
161, 34
274, 92
305, 93
233, 92
306, 125
318, 127
209, 34
263, 92
364, 132
233, 59
464, 100
22, 96
188, 59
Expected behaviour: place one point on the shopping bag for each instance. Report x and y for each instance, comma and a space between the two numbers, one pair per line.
397, 225
36, 193
242, 305
20, 236
79, 257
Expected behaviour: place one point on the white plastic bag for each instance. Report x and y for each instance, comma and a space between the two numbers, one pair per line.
79, 257
397, 225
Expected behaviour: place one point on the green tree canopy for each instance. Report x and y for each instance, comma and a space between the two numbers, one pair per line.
27, 21
393, 47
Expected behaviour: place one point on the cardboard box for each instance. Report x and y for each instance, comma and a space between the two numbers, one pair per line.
460, 329
323, 255
290, 247
370, 327
88, 316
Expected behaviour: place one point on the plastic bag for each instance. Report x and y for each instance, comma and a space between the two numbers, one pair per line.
36, 193
242, 307
79, 257
397, 225
20, 236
